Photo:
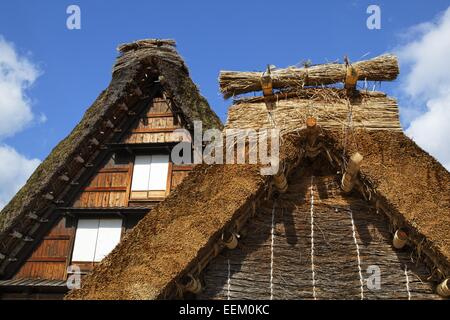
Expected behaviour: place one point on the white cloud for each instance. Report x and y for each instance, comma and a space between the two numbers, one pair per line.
427, 86
17, 74
14, 171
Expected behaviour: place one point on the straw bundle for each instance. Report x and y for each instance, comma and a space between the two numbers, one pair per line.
382, 68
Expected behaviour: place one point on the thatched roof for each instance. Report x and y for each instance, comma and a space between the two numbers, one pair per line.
152, 260
370, 110
183, 233
141, 67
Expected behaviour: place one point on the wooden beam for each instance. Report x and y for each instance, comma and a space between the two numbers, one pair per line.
280, 182
351, 78
266, 83
443, 289
350, 175
400, 239
64, 178
154, 130
382, 68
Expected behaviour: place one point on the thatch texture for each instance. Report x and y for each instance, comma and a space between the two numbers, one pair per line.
402, 184
145, 65
382, 68
412, 186
165, 245
369, 110
174, 76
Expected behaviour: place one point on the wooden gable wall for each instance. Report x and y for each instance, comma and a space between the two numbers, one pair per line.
157, 125
109, 187
50, 258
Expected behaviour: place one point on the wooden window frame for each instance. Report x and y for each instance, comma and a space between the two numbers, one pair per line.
91, 264
150, 195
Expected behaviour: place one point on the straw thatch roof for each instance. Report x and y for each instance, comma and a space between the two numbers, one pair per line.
142, 68
403, 183
152, 260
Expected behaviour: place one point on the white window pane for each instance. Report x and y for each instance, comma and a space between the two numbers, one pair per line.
141, 173
158, 172
109, 232
85, 240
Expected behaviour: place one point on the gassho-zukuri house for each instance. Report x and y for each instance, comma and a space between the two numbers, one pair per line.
355, 210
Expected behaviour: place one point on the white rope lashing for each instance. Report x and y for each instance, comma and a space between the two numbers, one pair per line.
407, 282
272, 239
228, 280
361, 279
313, 271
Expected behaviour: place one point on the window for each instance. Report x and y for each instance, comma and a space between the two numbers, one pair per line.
149, 176
95, 239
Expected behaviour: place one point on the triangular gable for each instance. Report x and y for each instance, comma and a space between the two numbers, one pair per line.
144, 70
156, 258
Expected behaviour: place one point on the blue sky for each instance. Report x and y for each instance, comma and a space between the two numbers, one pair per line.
73, 66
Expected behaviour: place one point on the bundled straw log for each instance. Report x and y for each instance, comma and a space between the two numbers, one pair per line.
382, 68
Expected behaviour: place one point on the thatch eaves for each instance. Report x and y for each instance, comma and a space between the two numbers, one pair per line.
152, 261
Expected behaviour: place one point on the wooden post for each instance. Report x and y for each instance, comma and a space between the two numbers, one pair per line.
109, 124
266, 83
94, 142
351, 76
312, 130
400, 239
16, 234
443, 289
312, 148
280, 182
231, 242
350, 175
79, 159
64, 178
49, 196
194, 285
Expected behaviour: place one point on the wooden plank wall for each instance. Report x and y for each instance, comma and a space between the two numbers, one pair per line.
277, 256
49, 260
156, 126
110, 186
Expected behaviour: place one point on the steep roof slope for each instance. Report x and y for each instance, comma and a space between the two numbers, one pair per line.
396, 174
174, 239
141, 68
171, 243
411, 186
